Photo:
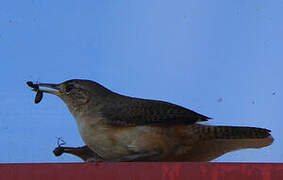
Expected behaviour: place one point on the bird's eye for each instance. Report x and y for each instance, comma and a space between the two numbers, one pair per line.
69, 88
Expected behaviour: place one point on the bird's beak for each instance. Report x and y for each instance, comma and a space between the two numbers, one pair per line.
51, 86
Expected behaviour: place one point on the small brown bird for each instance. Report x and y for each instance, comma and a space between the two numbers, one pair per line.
122, 128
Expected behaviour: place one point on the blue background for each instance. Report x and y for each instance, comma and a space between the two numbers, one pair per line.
220, 58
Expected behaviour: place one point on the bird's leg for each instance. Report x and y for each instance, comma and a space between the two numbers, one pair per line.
84, 152
135, 157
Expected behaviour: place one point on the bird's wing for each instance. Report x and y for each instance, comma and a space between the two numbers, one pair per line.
149, 112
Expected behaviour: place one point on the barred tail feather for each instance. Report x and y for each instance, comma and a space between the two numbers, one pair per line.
215, 141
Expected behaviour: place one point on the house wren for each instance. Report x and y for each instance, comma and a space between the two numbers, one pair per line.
123, 128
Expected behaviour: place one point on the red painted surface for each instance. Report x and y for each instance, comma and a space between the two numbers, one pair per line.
142, 171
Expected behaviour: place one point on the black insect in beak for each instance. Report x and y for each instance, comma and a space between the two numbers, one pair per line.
39, 92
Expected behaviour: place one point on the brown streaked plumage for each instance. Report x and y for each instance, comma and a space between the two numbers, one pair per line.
122, 128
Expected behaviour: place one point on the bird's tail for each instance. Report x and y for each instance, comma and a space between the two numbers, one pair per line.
234, 132
214, 141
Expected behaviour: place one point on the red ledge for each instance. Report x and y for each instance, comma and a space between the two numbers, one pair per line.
141, 171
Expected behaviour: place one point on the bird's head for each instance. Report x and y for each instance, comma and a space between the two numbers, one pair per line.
77, 92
